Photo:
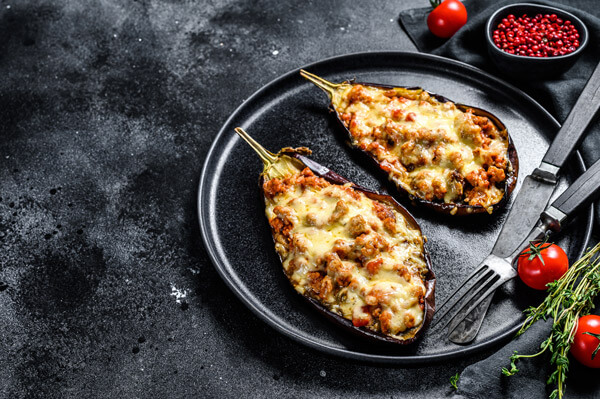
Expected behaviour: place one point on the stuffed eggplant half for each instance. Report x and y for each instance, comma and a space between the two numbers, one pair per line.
356, 255
454, 158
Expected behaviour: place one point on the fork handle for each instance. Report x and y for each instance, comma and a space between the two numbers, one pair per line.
573, 128
583, 191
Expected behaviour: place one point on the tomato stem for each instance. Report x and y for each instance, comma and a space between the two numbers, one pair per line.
598, 347
535, 249
435, 3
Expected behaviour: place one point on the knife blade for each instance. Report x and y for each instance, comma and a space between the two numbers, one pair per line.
535, 193
531, 200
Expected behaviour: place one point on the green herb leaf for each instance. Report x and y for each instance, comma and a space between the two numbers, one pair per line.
513, 365
454, 381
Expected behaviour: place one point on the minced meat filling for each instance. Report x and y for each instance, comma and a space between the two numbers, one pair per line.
357, 256
431, 149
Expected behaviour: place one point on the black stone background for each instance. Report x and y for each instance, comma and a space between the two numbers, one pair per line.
107, 110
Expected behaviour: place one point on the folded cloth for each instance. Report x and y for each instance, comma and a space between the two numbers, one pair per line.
485, 380
557, 95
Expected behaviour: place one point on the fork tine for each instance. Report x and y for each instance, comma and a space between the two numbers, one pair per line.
476, 276
470, 305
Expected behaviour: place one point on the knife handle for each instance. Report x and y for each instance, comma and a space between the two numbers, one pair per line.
572, 130
584, 190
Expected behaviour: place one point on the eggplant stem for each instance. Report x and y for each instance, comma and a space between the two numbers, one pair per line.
266, 156
321, 83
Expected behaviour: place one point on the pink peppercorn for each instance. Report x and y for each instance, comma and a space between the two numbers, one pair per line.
538, 36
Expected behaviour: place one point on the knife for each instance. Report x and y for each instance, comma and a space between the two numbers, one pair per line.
584, 190
535, 192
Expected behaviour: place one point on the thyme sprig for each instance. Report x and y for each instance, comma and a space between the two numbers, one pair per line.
568, 298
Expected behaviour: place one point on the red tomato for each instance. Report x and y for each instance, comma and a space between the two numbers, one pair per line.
447, 18
536, 273
584, 345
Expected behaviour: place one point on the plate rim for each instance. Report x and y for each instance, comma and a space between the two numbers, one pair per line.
346, 353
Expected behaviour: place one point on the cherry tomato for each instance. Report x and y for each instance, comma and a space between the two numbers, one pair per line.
447, 18
542, 263
584, 345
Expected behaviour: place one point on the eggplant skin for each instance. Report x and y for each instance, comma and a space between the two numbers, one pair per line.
413, 334
456, 209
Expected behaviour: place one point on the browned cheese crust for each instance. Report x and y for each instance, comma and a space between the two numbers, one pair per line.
358, 257
431, 149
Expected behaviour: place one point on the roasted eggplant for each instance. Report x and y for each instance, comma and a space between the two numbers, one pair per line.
356, 255
454, 158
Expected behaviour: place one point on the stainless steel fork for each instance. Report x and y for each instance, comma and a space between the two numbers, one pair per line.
491, 274
496, 270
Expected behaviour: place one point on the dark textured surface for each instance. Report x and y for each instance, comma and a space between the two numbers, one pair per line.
107, 110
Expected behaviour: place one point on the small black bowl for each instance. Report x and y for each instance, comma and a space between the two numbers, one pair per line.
520, 66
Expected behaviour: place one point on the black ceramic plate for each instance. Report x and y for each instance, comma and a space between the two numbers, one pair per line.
292, 112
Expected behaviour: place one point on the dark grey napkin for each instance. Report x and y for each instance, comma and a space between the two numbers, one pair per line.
484, 379
557, 95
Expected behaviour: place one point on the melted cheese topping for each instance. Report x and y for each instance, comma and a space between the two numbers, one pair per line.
432, 150
357, 256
